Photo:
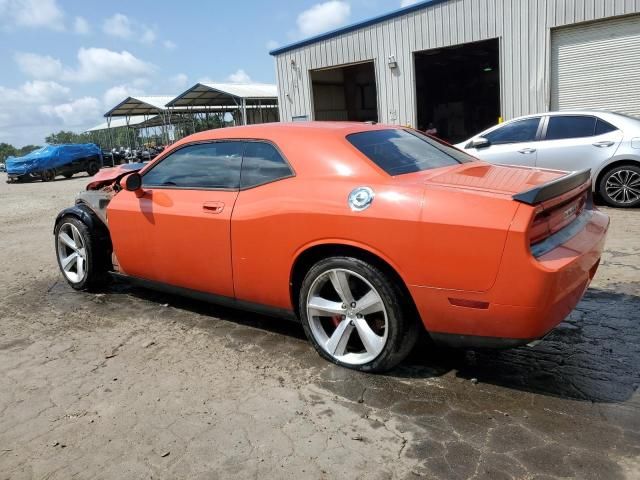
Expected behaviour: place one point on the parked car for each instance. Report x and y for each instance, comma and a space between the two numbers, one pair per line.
607, 143
365, 233
107, 158
48, 162
3, 167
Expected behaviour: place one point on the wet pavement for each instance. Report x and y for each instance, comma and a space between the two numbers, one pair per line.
132, 383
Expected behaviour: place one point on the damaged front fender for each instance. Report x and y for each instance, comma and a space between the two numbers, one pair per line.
83, 213
109, 176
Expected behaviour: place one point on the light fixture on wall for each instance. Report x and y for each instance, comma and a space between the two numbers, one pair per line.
293, 64
392, 62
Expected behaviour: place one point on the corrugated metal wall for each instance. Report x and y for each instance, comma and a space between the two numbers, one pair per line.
522, 25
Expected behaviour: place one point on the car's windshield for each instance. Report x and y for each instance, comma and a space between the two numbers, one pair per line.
399, 151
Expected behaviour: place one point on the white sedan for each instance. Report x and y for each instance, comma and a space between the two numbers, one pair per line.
607, 143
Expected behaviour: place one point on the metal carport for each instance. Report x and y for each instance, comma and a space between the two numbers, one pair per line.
255, 102
149, 107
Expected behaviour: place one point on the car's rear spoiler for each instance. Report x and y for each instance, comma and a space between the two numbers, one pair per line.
553, 188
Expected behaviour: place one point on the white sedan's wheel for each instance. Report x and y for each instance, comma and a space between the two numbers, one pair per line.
347, 316
620, 187
72, 253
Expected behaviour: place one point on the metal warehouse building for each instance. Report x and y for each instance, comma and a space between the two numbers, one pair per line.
463, 64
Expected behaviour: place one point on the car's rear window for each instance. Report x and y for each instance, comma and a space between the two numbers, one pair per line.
399, 151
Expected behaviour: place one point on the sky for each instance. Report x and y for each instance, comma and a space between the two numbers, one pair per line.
64, 63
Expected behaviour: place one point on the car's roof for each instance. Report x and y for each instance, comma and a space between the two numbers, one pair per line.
596, 113
269, 130
314, 148
620, 120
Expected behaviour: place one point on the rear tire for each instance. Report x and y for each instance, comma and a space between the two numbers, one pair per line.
365, 326
620, 186
80, 254
93, 168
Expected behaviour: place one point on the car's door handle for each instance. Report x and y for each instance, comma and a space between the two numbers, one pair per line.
213, 207
527, 150
603, 144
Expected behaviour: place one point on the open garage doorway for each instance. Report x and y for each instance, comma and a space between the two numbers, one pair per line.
458, 89
345, 93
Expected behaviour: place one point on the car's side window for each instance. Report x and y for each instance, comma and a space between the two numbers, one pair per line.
262, 163
570, 126
213, 165
515, 132
603, 127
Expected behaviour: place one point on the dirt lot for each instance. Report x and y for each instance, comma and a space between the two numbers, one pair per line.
134, 384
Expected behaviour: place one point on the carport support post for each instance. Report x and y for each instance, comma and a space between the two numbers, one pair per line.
165, 128
109, 130
244, 111
126, 120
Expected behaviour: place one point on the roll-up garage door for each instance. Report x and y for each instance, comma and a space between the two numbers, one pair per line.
597, 66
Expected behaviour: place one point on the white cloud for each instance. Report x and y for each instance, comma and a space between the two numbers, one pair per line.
32, 13
272, 45
21, 119
43, 91
80, 26
169, 45
406, 3
240, 76
148, 37
34, 92
179, 81
75, 113
95, 64
323, 16
140, 82
38, 66
121, 26
118, 25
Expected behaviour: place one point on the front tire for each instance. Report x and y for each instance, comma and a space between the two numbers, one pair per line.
78, 254
620, 186
48, 175
355, 315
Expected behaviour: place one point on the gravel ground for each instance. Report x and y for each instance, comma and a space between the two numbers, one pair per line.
132, 383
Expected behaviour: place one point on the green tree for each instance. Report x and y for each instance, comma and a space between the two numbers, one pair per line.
6, 150
66, 137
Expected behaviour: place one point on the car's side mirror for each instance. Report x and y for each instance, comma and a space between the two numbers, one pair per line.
479, 142
133, 182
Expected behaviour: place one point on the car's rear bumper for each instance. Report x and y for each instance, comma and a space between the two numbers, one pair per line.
529, 298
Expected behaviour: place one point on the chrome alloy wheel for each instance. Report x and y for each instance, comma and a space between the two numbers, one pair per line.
347, 316
72, 253
623, 186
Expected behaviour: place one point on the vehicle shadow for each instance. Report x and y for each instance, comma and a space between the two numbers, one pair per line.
57, 179
280, 326
594, 355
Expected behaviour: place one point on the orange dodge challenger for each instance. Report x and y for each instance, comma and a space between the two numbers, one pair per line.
365, 233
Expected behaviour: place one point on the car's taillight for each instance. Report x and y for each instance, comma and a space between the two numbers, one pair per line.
539, 228
549, 220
